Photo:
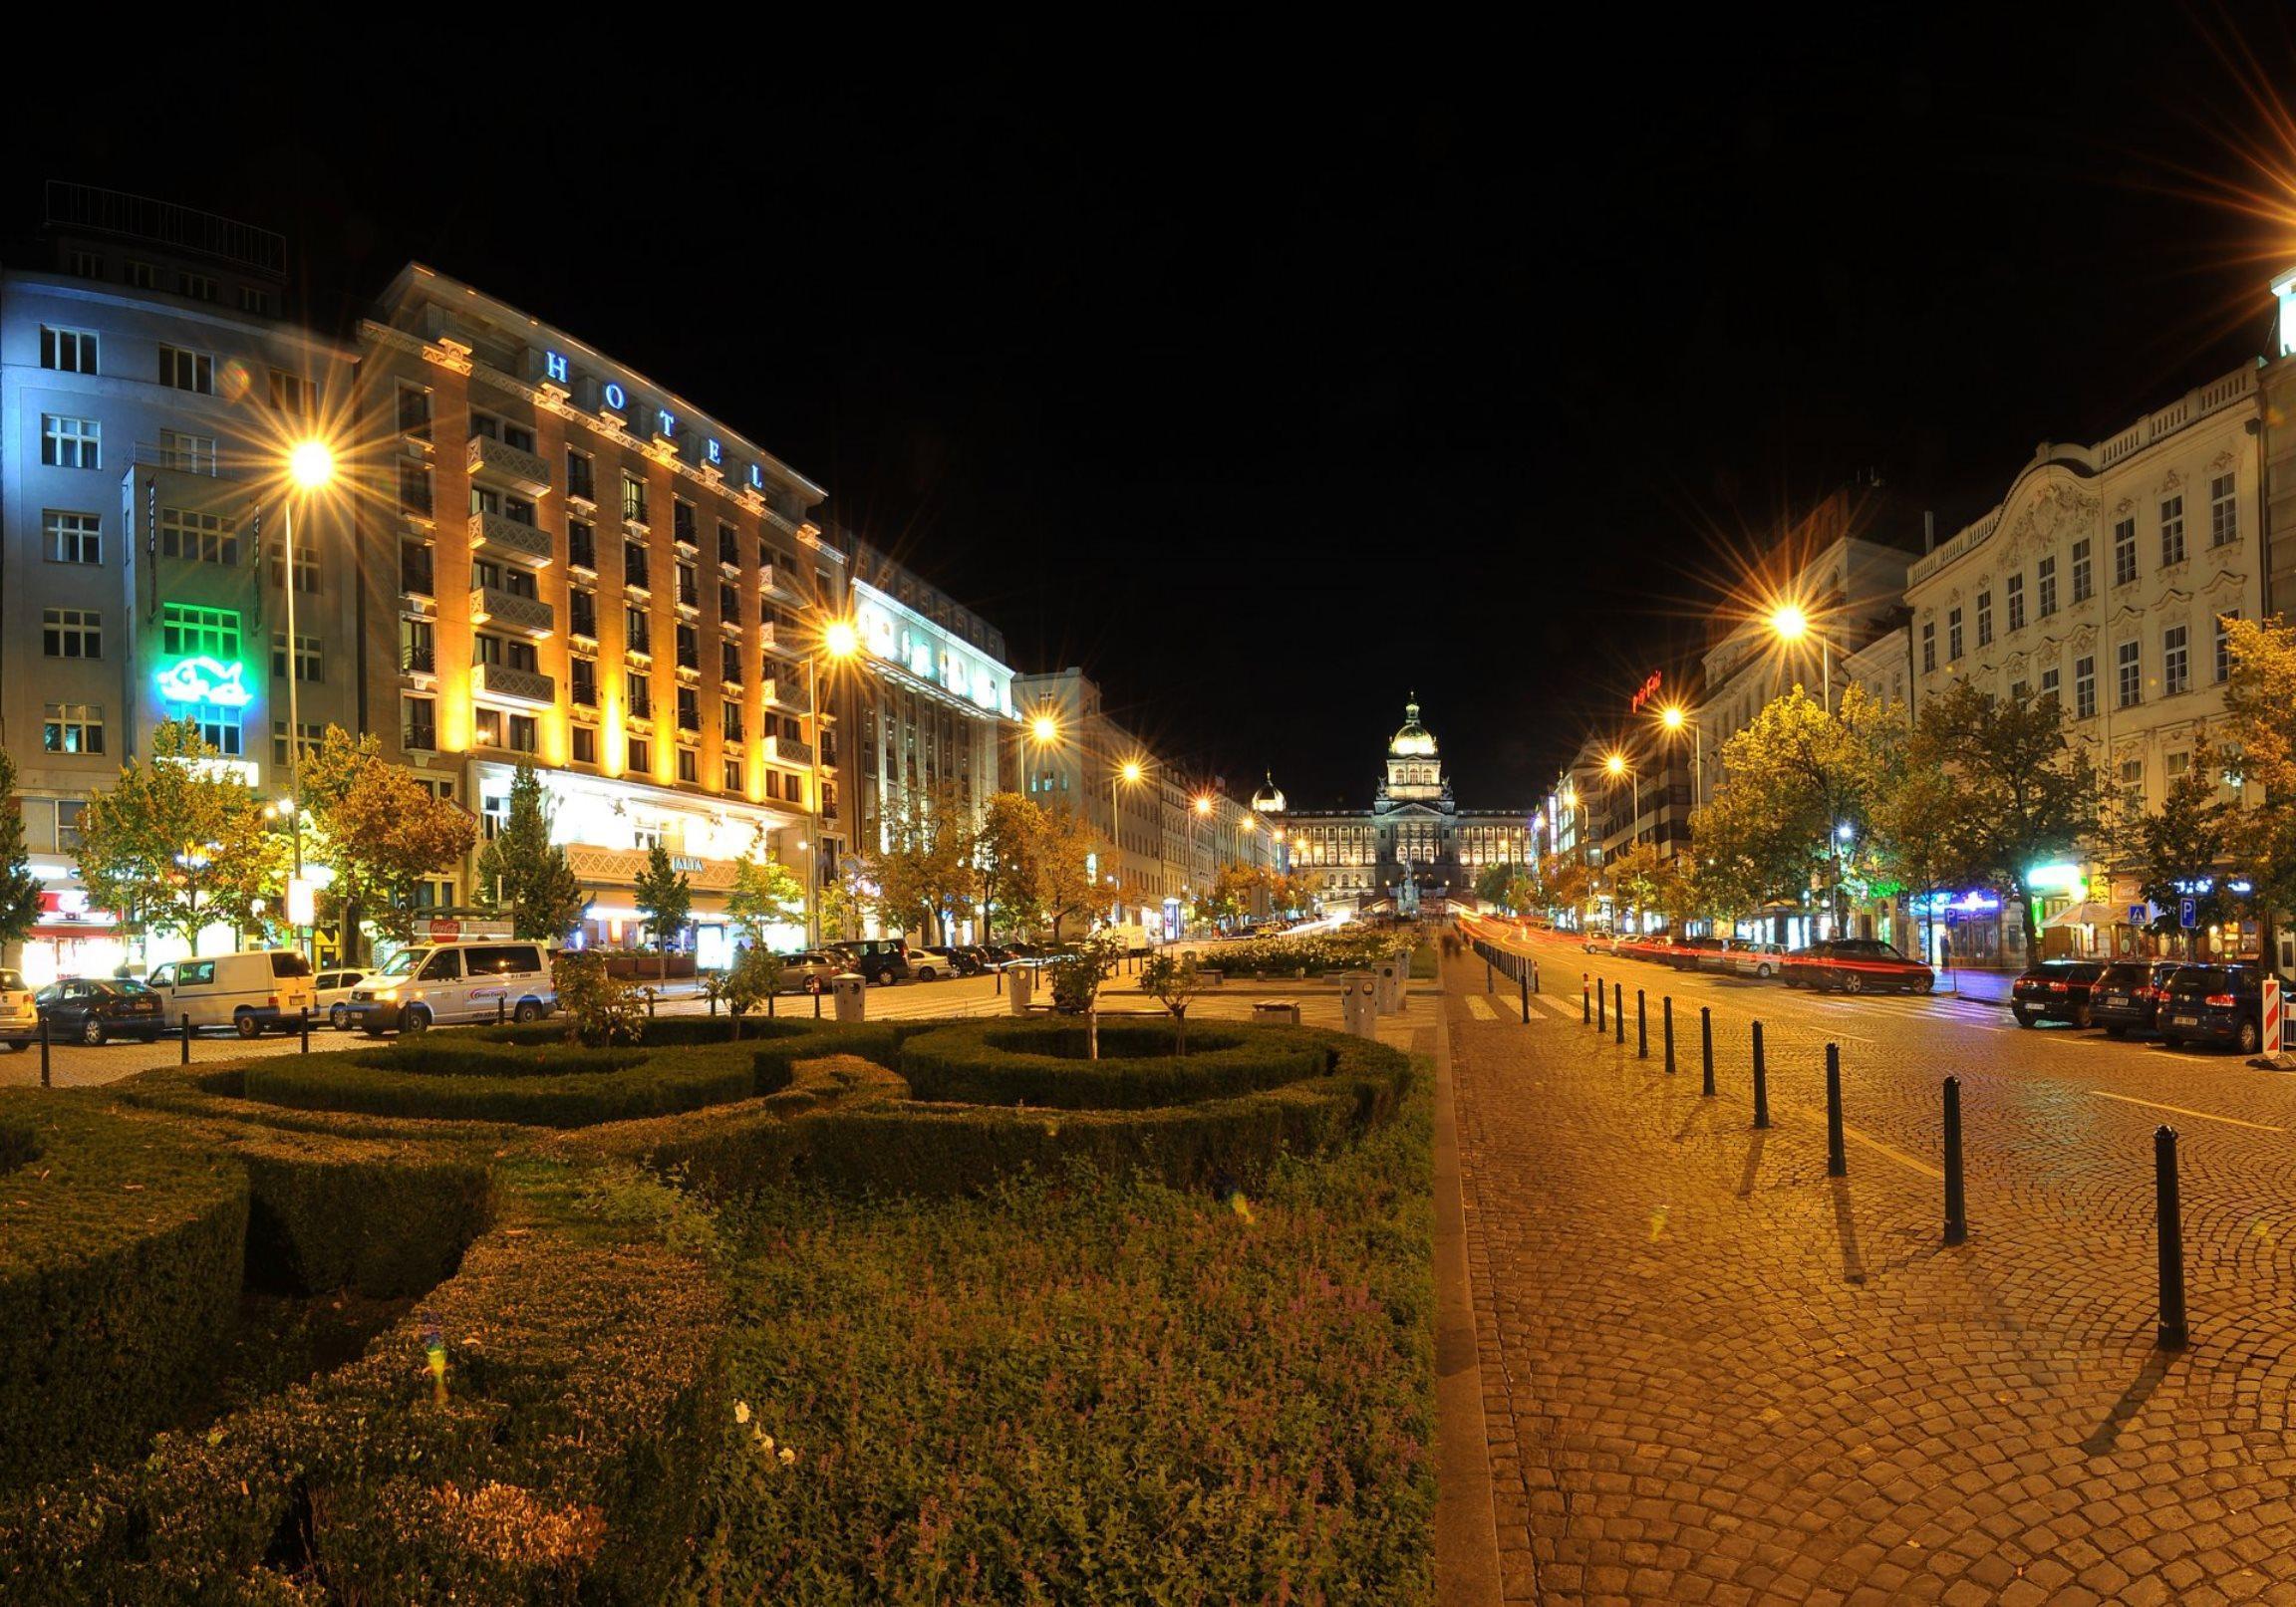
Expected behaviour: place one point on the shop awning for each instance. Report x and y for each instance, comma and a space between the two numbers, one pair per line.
2089, 914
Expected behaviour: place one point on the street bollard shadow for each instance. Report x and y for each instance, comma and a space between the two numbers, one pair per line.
1846, 1228
2132, 1402
1690, 1122
1752, 1163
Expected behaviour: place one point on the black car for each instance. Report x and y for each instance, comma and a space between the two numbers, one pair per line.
2129, 996
880, 959
1856, 965
2215, 1005
2055, 990
1694, 954
94, 1011
942, 959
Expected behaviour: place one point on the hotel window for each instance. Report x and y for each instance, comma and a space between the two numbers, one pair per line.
188, 371
196, 286
73, 538
688, 709
72, 728
585, 741
637, 630
414, 569
2020, 690
645, 836
582, 613
729, 605
730, 720
2224, 511
306, 566
730, 545
2225, 646
2171, 531
731, 775
218, 727
688, 586
2016, 601
68, 350
633, 498
187, 630
689, 648
2124, 551
524, 734
493, 815
582, 545
1953, 637
1985, 620
143, 276
2084, 581
2045, 588
86, 265
2049, 681
414, 411
634, 564
72, 632
689, 766
313, 737
71, 442
1929, 646
2133, 785
637, 696
415, 486
487, 727
200, 537
307, 659
2175, 661
2085, 688
291, 393
2177, 764
640, 755
682, 524
434, 895
729, 662
581, 475
255, 300
582, 682
417, 648
2129, 675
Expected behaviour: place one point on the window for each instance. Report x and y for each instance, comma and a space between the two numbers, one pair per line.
2129, 675
486, 726
2175, 661
637, 696
291, 393
2225, 646
688, 586
582, 682
689, 648
637, 630
2084, 581
313, 735
141, 276
633, 498
306, 656
2133, 784
72, 728
523, 734
582, 545
728, 546
1985, 620
729, 662
220, 727
187, 630
2171, 531
689, 766
730, 776
729, 720
71, 442
414, 569
196, 286
71, 538
419, 723
415, 486
2085, 688
641, 757
202, 537
2045, 588
634, 564
72, 632
2016, 601
86, 265
2020, 690
688, 709
418, 647
2177, 764
682, 524
1928, 646
728, 604
2223, 512
252, 300
2049, 681
188, 371
585, 743
2124, 551
582, 613
581, 475
68, 350
306, 567
1953, 637
414, 411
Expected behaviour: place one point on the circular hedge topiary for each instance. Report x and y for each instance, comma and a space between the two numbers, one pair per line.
1042, 1062
121, 1246
475, 1081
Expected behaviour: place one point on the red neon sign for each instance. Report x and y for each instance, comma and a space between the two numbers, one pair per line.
1648, 691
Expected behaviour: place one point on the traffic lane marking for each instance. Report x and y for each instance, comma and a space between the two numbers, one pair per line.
2181, 1110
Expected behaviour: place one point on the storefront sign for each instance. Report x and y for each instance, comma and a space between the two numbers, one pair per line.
205, 680
1648, 691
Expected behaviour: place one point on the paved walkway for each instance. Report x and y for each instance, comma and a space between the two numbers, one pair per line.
1713, 1374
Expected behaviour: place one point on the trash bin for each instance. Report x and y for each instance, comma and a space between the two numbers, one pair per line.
851, 992
1389, 987
1019, 983
1360, 1003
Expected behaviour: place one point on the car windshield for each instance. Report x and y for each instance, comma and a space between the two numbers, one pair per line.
126, 986
2203, 979
11, 980
402, 965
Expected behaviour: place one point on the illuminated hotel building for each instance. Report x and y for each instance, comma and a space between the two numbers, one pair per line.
150, 391
568, 563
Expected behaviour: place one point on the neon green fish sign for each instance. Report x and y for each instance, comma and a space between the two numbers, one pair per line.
205, 680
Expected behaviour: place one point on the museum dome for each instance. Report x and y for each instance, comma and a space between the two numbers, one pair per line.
1413, 741
1268, 800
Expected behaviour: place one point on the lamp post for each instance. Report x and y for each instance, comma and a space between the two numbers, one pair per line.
1674, 717
1789, 623
1618, 766
840, 641
311, 467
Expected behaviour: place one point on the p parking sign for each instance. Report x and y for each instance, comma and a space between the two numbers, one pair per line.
2187, 912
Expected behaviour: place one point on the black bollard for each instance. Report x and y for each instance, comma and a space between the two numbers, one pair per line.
1837, 1159
1666, 1022
1585, 1004
648, 1004
1602, 1007
1489, 976
1618, 1013
1525, 1004
45, 1080
305, 1014
1641, 1027
500, 1002
1956, 1206
1706, 1048
1535, 987
2171, 1227
816, 1004
1761, 1082
771, 995
186, 1059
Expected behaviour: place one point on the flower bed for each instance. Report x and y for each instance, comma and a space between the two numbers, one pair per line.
1315, 955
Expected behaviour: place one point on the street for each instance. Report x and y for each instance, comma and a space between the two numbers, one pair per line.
1711, 1372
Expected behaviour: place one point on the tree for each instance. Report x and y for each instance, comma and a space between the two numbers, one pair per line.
19, 888
1292, 894
753, 982
2187, 843
382, 833
1496, 883
1005, 847
847, 901
1907, 844
1068, 856
926, 869
1173, 982
765, 893
1634, 878
529, 872
177, 845
600, 1008
1228, 897
2260, 720
665, 896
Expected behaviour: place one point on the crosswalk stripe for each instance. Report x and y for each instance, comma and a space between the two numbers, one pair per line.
1480, 1008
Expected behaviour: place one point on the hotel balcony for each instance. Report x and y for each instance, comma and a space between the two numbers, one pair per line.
787, 692
505, 684
495, 462
509, 538
774, 582
785, 750
506, 611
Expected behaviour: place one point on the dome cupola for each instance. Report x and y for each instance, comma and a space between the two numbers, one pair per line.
1413, 741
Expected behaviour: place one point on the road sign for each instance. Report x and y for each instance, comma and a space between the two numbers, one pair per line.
2272, 1026
2187, 912
446, 932
2140, 915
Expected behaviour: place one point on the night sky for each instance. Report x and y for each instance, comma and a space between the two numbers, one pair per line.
1270, 378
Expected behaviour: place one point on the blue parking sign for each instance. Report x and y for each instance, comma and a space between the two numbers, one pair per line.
2189, 913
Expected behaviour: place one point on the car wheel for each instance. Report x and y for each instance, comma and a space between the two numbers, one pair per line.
339, 1018
2083, 1016
1762, 973
528, 1010
885, 979
923, 974
1927, 985
17, 1046
1852, 983
2024, 1016
812, 984
415, 1021
2170, 1040
2246, 1038
248, 1026
91, 1032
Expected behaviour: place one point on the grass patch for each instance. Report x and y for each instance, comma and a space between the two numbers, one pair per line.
1084, 1388
1425, 966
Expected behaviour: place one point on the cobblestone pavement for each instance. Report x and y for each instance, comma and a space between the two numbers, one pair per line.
1714, 1373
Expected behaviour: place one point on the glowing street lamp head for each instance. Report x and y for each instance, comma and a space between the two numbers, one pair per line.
1203, 803
1671, 716
1044, 729
311, 464
1789, 621
1615, 764
1131, 771
840, 640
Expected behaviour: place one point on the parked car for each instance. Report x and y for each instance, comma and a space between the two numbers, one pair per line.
2129, 996
435, 984
1599, 941
884, 960
808, 970
995, 957
1692, 954
334, 990
247, 992
2215, 1005
1758, 960
1856, 965
98, 1009
19, 1013
2055, 990
942, 959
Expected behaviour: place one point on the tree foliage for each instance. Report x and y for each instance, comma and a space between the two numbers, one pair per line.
1173, 982
665, 897
19, 888
926, 871
1005, 846
2260, 720
1071, 860
382, 833
529, 872
2183, 844
1230, 896
765, 893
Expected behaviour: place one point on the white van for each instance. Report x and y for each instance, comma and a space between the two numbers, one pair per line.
438, 985
250, 990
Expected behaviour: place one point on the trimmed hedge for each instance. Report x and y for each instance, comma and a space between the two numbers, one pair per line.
121, 1263
519, 1096
1042, 1063
426, 1056
385, 1218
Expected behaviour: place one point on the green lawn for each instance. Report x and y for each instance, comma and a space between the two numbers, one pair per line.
1081, 1390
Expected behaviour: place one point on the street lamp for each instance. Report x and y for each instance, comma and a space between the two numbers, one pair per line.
311, 469
1789, 623
1675, 718
1618, 766
840, 641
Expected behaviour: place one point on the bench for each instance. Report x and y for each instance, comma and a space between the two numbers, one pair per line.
1276, 1009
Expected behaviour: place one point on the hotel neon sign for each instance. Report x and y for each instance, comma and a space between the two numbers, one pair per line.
205, 680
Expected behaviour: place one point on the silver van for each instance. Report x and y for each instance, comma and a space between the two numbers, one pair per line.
249, 990
440, 984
